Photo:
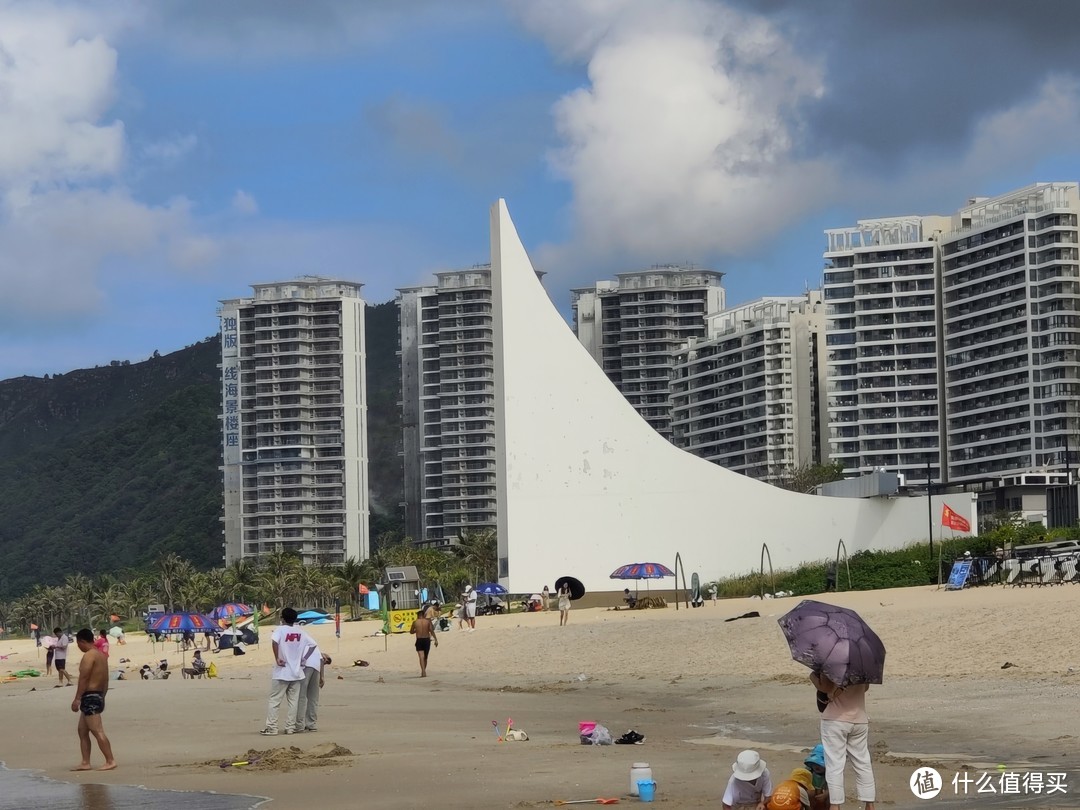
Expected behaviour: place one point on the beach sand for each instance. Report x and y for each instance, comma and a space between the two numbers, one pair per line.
698, 687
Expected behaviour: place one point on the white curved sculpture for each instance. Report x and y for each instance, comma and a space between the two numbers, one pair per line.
585, 485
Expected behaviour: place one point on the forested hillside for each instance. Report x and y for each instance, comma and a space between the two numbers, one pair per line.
109, 468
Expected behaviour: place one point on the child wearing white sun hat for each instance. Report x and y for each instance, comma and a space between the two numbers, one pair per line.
750, 785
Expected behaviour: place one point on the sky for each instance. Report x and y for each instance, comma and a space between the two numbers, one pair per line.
156, 158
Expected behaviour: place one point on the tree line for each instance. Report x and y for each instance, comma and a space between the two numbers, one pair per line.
278, 580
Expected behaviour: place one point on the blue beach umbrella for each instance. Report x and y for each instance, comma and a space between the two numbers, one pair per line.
230, 609
491, 589
173, 623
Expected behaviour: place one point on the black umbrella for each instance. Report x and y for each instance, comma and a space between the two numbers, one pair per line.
577, 590
835, 641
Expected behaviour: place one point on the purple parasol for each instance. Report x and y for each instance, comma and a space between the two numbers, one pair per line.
834, 640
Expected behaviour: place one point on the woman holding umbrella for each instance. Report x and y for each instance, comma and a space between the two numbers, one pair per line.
845, 656
845, 733
564, 603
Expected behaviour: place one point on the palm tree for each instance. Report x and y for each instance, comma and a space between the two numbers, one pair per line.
240, 580
172, 573
136, 594
79, 595
107, 601
478, 551
347, 580
277, 578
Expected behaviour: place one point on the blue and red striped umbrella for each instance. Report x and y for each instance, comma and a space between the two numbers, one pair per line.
181, 623
642, 570
231, 609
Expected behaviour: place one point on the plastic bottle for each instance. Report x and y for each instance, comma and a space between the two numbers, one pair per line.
639, 772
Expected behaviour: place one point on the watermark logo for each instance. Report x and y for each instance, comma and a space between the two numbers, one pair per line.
925, 783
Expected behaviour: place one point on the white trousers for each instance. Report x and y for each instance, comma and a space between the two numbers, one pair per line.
842, 742
307, 706
290, 692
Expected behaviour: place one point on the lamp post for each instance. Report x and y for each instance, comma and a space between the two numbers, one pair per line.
930, 514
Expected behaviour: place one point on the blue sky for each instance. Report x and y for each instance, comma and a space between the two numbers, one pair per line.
155, 158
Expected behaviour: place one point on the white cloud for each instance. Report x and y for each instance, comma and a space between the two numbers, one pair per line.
56, 83
684, 143
64, 212
244, 203
52, 248
171, 149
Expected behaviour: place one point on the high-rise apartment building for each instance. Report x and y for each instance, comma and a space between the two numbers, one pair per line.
746, 397
448, 406
883, 345
955, 341
294, 422
634, 325
1010, 272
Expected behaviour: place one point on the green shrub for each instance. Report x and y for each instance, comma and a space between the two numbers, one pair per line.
898, 568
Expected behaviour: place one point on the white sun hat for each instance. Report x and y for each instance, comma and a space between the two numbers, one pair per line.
748, 766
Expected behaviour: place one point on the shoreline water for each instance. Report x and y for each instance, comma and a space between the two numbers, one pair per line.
22, 788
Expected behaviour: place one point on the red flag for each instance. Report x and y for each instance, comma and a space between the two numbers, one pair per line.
954, 521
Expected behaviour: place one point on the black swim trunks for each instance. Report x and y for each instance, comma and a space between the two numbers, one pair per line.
92, 703
423, 645
60, 663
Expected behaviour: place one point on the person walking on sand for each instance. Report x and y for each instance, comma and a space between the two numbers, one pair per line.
90, 701
546, 596
60, 649
307, 705
291, 646
564, 604
424, 631
845, 735
470, 606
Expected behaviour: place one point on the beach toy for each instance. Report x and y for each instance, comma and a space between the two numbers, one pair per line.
495, 725
646, 790
639, 772
560, 802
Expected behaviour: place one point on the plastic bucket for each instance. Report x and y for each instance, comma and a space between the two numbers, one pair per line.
646, 790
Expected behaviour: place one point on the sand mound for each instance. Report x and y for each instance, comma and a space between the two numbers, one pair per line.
286, 759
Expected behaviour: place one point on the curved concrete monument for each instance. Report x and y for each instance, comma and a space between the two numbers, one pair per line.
585, 485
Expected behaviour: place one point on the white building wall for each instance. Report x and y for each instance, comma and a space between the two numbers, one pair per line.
585, 486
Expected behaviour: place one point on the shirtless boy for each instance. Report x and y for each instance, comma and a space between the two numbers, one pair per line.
424, 631
90, 701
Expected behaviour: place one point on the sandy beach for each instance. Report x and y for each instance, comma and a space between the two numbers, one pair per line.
698, 687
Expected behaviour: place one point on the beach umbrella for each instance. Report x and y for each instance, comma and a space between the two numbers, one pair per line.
173, 623
311, 615
835, 641
231, 609
642, 570
491, 589
577, 590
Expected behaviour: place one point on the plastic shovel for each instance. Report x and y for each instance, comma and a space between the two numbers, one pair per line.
560, 802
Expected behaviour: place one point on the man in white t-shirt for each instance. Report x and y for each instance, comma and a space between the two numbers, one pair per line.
469, 598
60, 649
291, 646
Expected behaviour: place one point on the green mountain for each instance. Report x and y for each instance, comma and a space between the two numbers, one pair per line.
108, 468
